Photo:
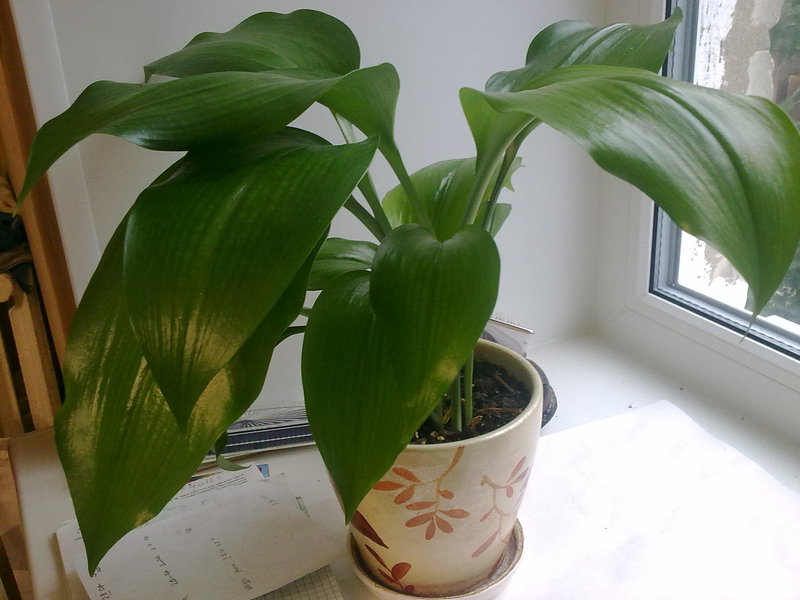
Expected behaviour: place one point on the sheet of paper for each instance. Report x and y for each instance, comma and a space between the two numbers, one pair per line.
233, 535
649, 505
319, 585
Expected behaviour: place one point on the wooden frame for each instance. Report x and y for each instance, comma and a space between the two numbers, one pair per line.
17, 128
35, 363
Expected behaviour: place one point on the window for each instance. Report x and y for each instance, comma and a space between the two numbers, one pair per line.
750, 47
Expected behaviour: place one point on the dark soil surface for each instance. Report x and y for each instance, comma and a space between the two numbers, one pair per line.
497, 399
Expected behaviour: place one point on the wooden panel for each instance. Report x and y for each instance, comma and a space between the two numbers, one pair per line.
14, 570
10, 417
33, 351
17, 128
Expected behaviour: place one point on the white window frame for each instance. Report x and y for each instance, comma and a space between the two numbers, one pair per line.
667, 235
694, 350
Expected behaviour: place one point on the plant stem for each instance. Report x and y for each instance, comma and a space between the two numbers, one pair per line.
436, 414
482, 179
392, 155
469, 370
484, 174
508, 160
366, 185
368, 189
455, 404
290, 331
363, 215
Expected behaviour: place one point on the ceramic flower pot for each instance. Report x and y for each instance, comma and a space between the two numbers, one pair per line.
442, 518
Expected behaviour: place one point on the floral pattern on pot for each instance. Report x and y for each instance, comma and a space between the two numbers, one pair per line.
393, 575
434, 517
505, 504
359, 523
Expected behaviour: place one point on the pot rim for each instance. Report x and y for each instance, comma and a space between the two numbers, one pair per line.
534, 405
484, 590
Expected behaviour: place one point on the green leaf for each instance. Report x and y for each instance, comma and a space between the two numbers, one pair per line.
303, 39
578, 43
493, 133
222, 462
306, 40
444, 189
498, 217
210, 250
377, 356
563, 44
339, 256
367, 98
115, 426
220, 110
726, 168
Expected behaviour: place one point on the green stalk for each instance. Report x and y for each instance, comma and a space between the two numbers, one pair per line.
484, 175
469, 370
367, 188
508, 160
363, 215
392, 155
456, 419
436, 413
482, 179
366, 184
290, 331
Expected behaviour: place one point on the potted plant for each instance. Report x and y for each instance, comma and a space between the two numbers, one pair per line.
208, 271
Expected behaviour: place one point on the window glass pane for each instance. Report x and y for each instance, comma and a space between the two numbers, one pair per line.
746, 47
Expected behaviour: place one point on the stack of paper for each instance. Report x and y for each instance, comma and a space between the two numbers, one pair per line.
230, 535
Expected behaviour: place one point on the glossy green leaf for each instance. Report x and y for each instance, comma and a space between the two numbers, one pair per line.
303, 39
377, 356
222, 462
493, 133
307, 40
568, 43
339, 256
220, 110
726, 168
210, 250
367, 98
444, 187
115, 426
499, 215
563, 44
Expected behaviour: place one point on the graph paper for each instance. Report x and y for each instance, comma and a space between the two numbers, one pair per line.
319, 585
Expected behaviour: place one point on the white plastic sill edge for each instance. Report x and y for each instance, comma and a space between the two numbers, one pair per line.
746, 393
595, 378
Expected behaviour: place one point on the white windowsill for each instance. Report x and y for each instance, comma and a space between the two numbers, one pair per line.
740, 391
594, 378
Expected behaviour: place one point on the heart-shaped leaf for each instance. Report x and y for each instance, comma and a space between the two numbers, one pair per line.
382, 347
210, 250
303, 39
115, 426
726, 168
